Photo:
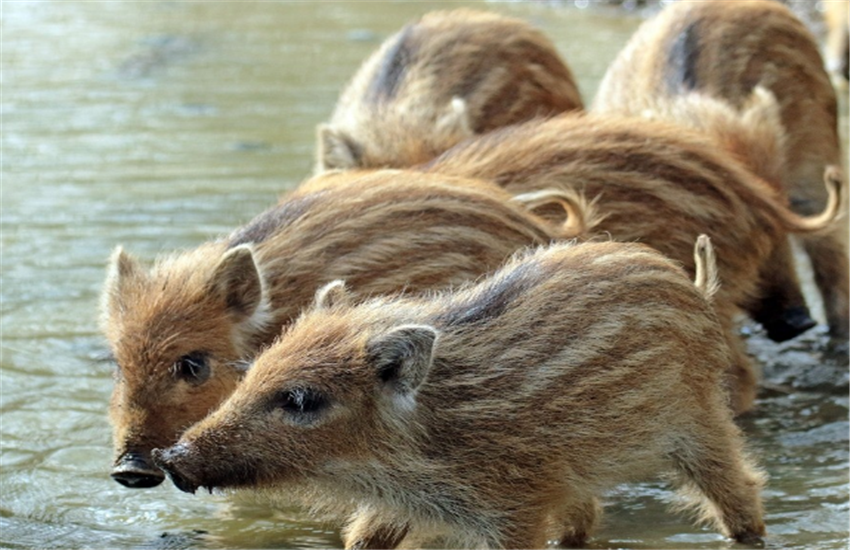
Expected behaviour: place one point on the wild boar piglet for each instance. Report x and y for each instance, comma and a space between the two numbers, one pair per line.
443, 78
183, 331
693, 57
661, 184
488, 414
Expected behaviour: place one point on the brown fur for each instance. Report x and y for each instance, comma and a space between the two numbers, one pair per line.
725, 50
220, 303
661, 185
441, 79
428, 411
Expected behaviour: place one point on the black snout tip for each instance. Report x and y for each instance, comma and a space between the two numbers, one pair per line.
137, 480
135, 471
792, 323
165, 459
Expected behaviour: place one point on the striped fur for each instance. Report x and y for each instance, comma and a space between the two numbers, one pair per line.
661, 185
382, 232
441, 79
509, 405
737, 49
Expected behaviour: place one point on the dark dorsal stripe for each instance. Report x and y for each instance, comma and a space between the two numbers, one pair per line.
272, 220
684, 56
494, 298
391, 72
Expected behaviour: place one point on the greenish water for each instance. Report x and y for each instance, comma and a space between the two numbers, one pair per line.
160, 124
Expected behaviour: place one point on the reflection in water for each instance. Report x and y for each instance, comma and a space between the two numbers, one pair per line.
158, 125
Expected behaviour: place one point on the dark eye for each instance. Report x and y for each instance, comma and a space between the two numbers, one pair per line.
193, 368
301, 401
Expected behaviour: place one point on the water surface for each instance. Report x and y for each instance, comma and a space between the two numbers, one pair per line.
157, 125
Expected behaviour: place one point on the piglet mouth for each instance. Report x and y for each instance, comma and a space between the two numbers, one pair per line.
168, 460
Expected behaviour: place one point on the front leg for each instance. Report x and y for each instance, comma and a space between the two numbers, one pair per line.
369, 530
526, 528
576, 520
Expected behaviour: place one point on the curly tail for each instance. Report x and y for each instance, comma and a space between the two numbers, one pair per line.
833, 179
581, 215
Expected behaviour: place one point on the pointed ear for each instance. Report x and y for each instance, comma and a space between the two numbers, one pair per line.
336, 151
122, 269
122, 266
403, 356
236, 280
333, 293
456, 120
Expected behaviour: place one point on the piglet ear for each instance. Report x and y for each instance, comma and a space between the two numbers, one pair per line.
403, 356
336, 151
455, 119
333, 293
122, 267
122, 270
236, 280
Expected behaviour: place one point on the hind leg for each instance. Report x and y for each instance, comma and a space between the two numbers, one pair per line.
828, 255
742, 376
781, 308
713, 464
827, 251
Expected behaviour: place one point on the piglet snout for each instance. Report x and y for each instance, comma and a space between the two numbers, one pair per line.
134, 470
169, 461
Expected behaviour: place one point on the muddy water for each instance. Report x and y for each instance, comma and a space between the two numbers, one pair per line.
160, 124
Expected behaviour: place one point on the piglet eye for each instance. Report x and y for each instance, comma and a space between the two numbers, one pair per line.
193, 368
301, 401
